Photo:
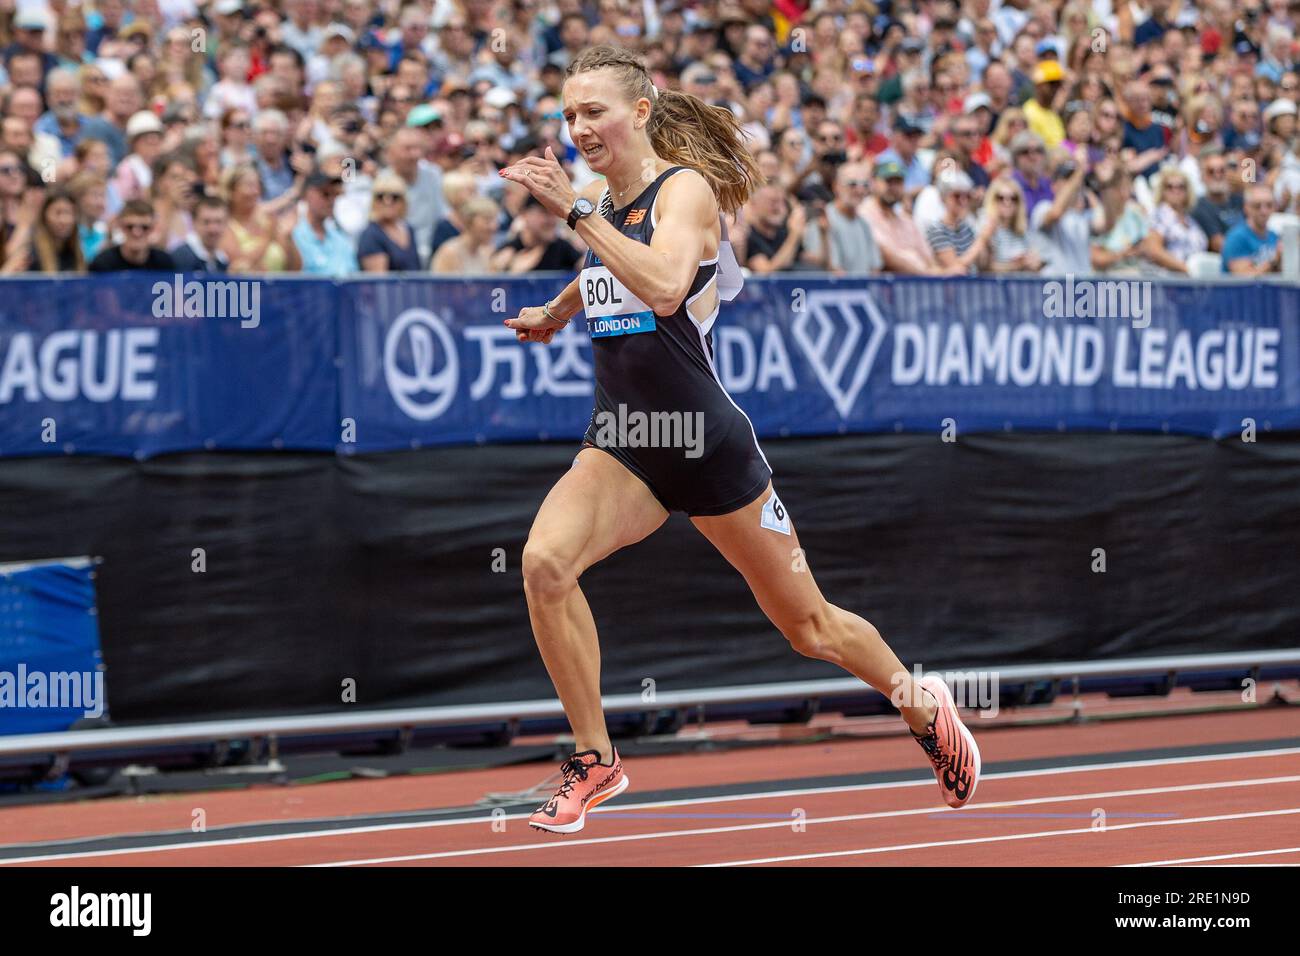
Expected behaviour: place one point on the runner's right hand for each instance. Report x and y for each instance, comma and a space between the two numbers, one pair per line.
532, 325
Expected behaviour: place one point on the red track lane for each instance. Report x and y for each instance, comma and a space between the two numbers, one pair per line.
1083, 792
265, 803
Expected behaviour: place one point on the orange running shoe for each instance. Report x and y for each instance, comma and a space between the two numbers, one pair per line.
950, 746
587, 784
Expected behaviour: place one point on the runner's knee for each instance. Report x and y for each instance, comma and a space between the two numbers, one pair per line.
548, 574
812, 633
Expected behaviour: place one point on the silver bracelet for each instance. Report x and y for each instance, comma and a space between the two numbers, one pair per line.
546, 311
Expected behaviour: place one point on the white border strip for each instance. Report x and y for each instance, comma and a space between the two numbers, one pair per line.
1223, 856
1007, 838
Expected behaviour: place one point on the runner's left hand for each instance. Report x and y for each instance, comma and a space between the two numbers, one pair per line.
545, 179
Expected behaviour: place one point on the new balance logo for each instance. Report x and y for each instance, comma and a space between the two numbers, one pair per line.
958, 783
635, 217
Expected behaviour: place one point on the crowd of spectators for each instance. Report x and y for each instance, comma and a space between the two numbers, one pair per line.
928, 137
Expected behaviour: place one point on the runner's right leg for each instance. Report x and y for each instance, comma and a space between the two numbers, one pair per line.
596, 508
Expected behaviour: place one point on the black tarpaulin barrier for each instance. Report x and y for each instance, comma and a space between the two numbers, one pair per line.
379, 569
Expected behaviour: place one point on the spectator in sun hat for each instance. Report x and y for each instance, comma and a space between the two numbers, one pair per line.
139, 34
1280, 119
1040, 110
957, 247
29, 26
135, 172
337, 40
426, 117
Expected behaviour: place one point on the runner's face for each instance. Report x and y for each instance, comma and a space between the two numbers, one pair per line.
600, 122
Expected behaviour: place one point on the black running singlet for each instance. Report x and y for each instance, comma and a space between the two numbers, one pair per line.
660, 407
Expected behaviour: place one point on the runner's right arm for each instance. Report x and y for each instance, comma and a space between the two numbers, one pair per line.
569, 302
531, 324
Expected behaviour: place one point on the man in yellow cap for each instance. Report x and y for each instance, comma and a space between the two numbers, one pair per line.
1039, 111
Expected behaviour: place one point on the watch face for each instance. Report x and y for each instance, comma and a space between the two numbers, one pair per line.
584, 206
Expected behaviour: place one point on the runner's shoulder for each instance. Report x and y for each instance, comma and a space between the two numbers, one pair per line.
691, 187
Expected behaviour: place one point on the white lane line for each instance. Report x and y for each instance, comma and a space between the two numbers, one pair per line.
967, 813
1007, 838
1220, 856
623, 807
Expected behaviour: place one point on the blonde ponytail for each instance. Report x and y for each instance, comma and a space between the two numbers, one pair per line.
683, 129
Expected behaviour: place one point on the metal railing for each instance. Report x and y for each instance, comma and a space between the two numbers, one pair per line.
350, 722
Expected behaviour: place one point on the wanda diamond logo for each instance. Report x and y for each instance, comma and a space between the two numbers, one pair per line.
840, 332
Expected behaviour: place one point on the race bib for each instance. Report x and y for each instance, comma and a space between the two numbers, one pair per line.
774, 515
611, 307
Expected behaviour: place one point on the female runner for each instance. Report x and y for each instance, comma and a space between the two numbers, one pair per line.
658, 266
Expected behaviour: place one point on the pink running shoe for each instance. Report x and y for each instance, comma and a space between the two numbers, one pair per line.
950, 746
587, 784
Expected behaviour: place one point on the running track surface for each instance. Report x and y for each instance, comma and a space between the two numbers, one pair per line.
1188, 790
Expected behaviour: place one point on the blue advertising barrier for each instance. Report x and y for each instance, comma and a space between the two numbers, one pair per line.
140, 365
51, 672
124, 365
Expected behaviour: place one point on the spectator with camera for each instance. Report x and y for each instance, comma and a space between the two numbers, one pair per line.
1067, 222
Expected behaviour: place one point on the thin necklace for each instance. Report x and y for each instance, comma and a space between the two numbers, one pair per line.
621, 193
